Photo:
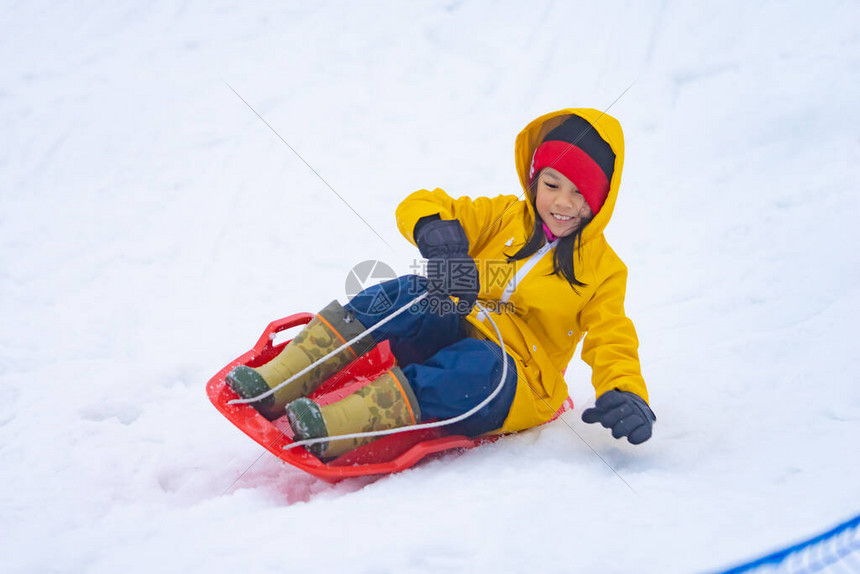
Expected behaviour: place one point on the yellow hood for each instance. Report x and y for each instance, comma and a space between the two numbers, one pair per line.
607, 127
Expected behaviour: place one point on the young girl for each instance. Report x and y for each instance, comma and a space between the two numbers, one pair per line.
540, 266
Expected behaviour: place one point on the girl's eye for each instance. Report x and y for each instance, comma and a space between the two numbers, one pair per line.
550, 185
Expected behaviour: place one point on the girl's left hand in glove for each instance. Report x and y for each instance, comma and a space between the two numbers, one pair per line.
625, 413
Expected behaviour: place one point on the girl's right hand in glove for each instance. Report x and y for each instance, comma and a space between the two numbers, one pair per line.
450, 270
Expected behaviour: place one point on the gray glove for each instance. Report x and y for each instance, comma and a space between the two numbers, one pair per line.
627, 414
450, 270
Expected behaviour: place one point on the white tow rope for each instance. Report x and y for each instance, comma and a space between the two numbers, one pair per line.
407, 428
434, 424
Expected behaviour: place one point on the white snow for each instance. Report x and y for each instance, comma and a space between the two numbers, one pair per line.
151, 225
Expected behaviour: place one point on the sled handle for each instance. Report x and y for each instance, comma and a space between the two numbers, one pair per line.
264, 343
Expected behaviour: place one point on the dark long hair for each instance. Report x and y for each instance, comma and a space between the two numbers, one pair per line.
563, 254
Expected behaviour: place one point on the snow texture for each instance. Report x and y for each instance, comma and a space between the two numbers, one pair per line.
151, 225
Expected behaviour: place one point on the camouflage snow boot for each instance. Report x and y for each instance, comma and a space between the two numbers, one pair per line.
328, 330
386, 403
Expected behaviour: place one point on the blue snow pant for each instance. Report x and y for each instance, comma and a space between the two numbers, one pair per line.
449, 371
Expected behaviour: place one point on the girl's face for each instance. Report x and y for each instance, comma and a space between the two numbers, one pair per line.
560, 204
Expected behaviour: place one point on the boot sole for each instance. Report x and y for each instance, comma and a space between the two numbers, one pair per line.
307, 422
249, 384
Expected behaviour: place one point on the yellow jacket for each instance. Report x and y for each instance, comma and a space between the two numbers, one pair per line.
550, 318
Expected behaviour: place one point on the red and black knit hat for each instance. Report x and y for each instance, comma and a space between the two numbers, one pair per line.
577, 151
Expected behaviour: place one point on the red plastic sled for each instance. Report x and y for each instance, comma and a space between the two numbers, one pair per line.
387, 454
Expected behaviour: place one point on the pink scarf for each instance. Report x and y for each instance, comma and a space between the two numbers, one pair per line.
549, 236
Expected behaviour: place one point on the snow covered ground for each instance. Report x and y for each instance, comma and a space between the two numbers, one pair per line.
151, 225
